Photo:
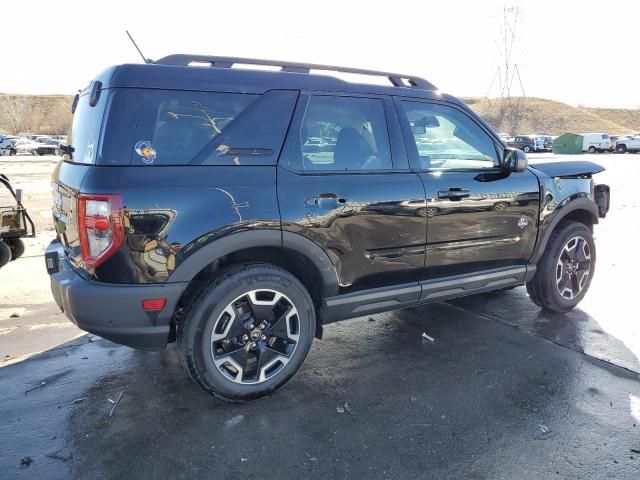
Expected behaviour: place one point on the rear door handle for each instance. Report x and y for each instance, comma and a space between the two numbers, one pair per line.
454, 193
324, 200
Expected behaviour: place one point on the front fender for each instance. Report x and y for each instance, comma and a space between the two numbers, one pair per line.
560, 212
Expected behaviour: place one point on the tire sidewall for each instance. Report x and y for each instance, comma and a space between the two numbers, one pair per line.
17, 247
549, 268
202, 318
5, 254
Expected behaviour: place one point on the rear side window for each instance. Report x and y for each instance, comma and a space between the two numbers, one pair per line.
211, 128
85, 128
119, 126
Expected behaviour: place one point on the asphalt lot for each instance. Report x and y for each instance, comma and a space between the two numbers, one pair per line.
504, 391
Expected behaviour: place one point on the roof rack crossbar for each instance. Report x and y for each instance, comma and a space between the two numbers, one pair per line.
396, 79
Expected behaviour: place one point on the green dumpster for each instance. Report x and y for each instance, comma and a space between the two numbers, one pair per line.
568, 144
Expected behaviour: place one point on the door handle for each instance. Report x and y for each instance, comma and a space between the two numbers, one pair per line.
454, 193
324, 200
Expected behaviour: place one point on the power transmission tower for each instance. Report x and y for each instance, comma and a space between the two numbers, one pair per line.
507, 70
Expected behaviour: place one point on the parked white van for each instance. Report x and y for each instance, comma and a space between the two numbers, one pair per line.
596, 142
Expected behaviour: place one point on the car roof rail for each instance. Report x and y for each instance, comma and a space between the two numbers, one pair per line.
396, 79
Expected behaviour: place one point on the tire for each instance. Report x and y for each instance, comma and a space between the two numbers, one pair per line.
210, 360
544, 288
5, 254
12, 153
526, 149
592, 149
17, 247
57, 152
621, 149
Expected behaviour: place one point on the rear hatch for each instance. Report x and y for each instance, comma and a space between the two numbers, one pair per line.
70, 172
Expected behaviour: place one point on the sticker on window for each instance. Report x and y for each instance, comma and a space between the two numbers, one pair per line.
146, 151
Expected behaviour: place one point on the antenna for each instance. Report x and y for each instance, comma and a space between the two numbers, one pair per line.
144, 59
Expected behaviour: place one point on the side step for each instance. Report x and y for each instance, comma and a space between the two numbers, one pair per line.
377, 300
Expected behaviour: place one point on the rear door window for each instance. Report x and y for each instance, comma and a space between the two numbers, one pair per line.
211, 128
341, 133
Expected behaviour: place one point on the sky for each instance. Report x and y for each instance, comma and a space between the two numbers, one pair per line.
578, 52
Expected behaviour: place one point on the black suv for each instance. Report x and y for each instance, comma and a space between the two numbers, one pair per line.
237, 211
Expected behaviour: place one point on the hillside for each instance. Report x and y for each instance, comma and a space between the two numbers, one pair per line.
46, 114
520, 115
627, 117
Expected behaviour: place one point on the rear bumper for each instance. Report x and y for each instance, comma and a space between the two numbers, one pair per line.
112, 311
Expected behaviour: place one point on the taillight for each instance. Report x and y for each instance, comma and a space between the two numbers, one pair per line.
100, 227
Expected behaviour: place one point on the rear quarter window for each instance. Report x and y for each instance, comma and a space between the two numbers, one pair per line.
211, 128
86, 127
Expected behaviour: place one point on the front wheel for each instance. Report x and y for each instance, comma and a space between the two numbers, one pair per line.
526, 149
621, 148
565, 270
247, 334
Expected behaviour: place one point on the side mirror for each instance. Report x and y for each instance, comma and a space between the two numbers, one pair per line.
515, 160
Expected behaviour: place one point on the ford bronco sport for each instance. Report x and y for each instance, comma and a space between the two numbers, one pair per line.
196, 204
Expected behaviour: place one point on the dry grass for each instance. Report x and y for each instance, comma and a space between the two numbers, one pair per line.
627, 117
47, 114
522, 115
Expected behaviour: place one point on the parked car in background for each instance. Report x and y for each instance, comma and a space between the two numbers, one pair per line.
27, 135
6, 143
20, 146
548, 143
48, 146
596, 142
614, 139
628, 144
527, 143
24, 146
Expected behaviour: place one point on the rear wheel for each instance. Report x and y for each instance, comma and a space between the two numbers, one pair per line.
592, 149
247, 334
565, 270
526, 149
5, 254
